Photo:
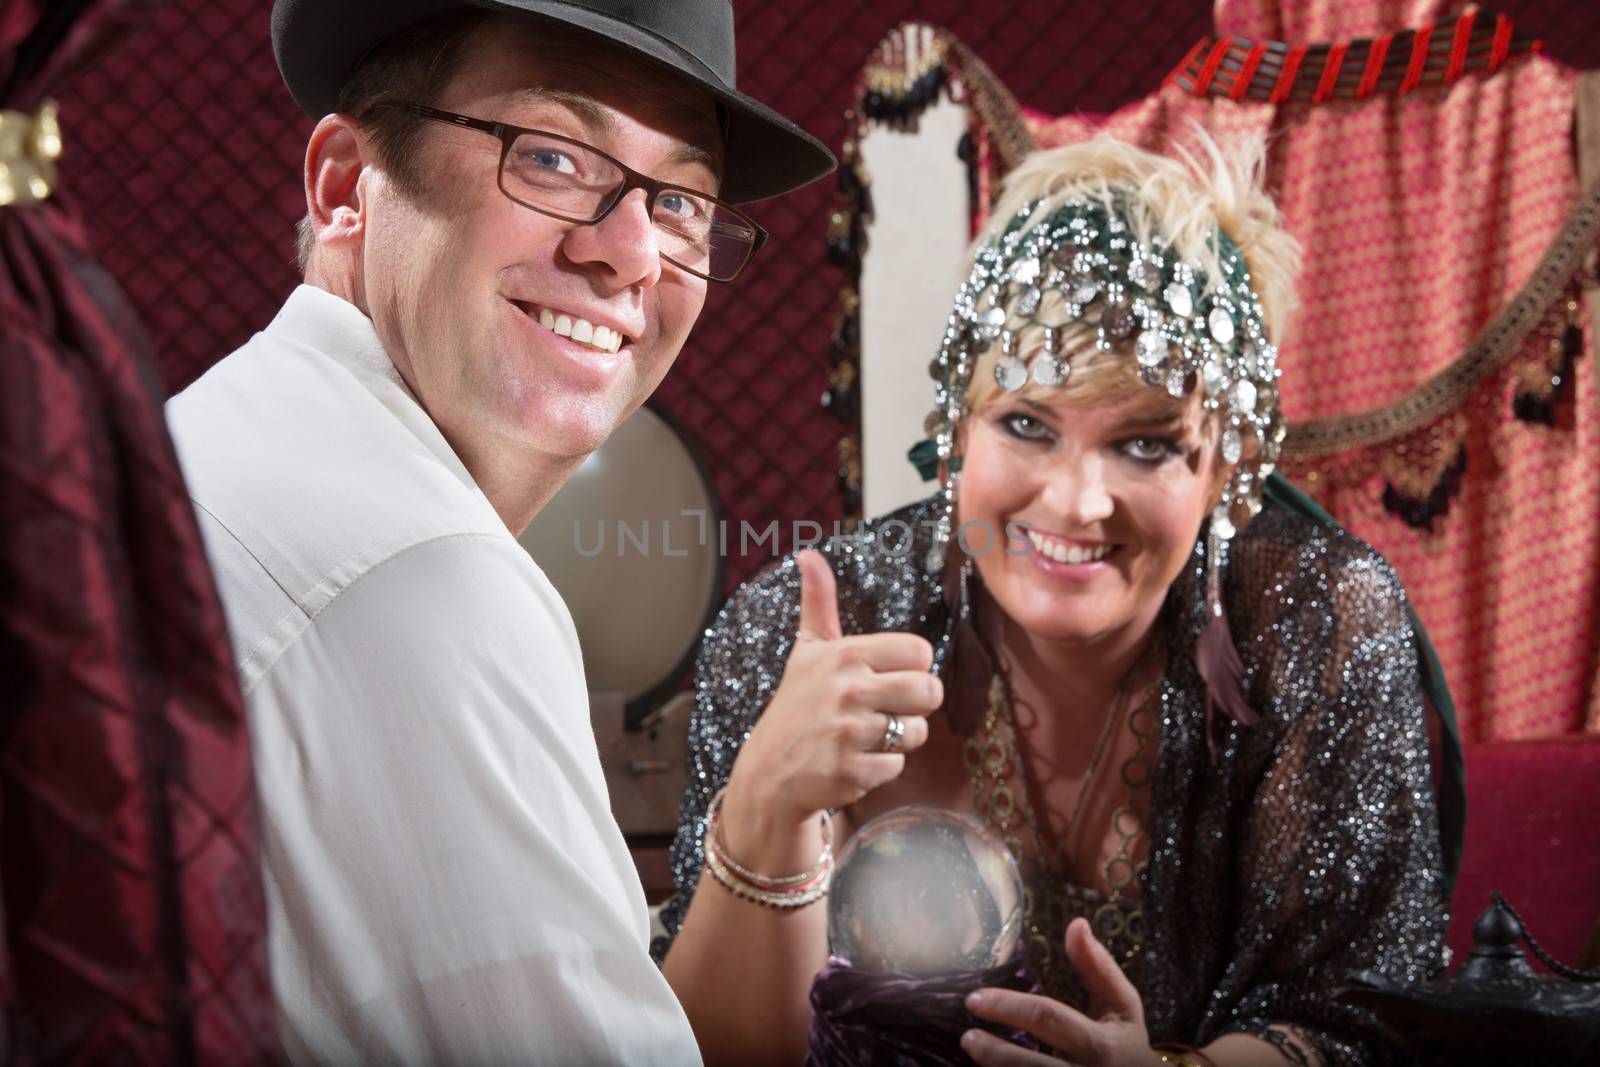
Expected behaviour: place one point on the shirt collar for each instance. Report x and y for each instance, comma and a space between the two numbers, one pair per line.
342, 332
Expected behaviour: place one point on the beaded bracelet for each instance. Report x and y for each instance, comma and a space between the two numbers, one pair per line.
789, 891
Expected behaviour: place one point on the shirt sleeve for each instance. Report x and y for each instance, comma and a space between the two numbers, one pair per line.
445, 879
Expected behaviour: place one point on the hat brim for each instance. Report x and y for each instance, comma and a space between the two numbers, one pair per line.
319, 43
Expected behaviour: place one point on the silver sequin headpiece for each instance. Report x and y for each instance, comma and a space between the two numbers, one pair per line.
1084, 267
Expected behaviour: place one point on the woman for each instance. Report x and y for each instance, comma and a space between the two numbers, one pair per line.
1197, 722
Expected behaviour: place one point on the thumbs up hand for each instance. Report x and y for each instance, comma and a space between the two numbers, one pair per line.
843, 718
819, 599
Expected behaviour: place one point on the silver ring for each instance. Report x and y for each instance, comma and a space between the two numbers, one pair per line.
893, 731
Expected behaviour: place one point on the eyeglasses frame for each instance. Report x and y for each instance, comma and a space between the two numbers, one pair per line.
507, 135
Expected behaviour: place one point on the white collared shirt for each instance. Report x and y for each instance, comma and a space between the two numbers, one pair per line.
445, 882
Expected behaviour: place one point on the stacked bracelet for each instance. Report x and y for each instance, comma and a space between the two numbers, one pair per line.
789, 891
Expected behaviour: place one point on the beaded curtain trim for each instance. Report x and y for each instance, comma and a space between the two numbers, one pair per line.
895, 86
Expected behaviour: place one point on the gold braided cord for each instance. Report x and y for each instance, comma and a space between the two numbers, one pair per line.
1494, 347
997, 109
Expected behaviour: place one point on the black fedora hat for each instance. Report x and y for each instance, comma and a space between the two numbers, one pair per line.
319, 43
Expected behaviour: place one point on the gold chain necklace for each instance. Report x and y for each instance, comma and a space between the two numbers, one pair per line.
993, 760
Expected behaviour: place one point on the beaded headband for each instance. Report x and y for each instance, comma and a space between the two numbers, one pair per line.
1083, 266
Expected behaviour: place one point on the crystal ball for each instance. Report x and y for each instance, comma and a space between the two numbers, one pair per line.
925, 891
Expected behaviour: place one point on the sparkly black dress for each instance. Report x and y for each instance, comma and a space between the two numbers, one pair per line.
1307, 850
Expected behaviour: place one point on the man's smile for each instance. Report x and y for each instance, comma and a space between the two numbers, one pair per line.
596, 335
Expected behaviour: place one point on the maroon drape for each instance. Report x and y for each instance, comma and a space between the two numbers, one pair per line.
129, 879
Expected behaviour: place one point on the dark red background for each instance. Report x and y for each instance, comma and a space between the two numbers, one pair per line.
184, 154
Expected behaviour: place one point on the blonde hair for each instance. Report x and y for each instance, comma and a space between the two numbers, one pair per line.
1183, 198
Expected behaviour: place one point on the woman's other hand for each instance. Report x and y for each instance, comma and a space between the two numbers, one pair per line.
1112, 1034
821, 743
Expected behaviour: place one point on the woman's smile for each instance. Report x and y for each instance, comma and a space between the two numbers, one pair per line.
1101, 506
1058, 556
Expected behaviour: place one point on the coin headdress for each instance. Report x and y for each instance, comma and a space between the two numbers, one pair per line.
1083, 268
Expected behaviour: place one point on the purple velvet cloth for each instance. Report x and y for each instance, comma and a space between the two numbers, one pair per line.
886, 1019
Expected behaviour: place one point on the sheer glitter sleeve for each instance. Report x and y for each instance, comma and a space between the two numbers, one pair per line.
738, 668
1336, 862
881, 587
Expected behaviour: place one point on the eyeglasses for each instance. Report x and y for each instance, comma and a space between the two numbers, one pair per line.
575, 182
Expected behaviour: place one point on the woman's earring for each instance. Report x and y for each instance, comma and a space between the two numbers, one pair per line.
1216, 656
937, 550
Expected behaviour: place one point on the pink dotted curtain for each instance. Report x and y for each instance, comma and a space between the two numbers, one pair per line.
1439, 374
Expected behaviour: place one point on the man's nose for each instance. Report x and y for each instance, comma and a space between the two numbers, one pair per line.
1078, 491
625, 242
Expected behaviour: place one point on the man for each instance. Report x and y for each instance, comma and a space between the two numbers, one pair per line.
511, 223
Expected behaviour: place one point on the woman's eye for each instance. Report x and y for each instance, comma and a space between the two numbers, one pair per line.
1025, 427
1150, 449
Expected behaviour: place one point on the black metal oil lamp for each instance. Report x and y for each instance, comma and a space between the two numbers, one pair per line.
1495, 1009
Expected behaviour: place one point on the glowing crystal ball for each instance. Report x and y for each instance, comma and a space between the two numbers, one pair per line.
925, 891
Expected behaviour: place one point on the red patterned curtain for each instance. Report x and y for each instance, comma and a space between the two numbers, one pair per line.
1439, 375
129, 879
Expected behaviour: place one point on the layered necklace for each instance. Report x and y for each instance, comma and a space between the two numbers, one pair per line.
1003, 795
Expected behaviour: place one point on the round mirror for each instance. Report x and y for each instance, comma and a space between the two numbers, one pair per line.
630, 542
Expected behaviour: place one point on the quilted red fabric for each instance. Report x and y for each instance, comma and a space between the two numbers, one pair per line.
1535, 839
129, 877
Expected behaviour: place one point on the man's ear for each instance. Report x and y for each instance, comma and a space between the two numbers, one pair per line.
335, 160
